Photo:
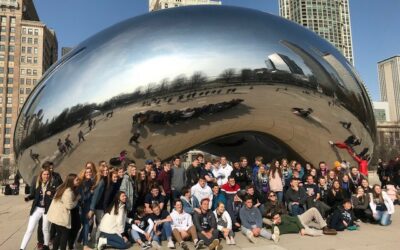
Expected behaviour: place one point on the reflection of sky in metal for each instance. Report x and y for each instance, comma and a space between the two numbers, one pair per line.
167, 44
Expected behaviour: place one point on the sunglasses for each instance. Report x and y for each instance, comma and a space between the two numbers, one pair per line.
271, 195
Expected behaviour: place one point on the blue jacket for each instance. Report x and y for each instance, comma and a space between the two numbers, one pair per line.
220, 198
187, 207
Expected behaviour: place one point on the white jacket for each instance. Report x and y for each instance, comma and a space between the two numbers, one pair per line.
181, 221
114, 224
386, 199
222, 173
225, 217
201, 193
60, 210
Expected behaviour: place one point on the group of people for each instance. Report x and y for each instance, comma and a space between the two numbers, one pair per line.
206, 203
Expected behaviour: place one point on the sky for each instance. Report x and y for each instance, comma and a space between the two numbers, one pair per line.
375, 25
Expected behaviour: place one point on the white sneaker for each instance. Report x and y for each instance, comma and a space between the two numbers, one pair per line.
276, 234
233, 241
102, 243
251, 237
155, 245
228, 241
171, 244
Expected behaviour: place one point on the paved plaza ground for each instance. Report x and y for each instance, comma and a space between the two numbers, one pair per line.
14, 213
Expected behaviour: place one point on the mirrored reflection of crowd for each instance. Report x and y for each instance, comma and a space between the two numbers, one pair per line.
212, 200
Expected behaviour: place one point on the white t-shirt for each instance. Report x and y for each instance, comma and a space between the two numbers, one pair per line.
181, 221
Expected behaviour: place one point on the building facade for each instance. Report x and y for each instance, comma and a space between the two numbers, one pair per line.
381, 112
330, 19
27, 49
165, 4
389, 83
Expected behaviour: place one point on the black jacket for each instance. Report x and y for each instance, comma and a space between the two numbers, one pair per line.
192, 175
242, 177
35, 196
340, 215
299, 196
204, 222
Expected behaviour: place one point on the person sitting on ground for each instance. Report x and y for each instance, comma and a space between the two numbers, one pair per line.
224, 223
153, 197
190, 203
218, 196
295, 198
201, 191
355, 178
112, 224
183, 228
206, 226
162, 226
335, 195
343, 217
381, 205
251, 219
142, 228
272, 206
360, 201
313, 196
309, 223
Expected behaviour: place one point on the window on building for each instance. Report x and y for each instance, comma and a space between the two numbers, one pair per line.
8, 120
6, 151
23, 71
1, 99
9, 90
3, 20
35, 60
21, 91
29, 50
35, 41
34, 81
1, 57
9, 100
12, 29
12, 21
30, 31
1, 90
11, 58
1, 79
22, 81
29, 59
35, 51
29, 72
2, 38
23, 49
24, 31
36, 32
7, 140
28, 81
21, 100
22, 59
1, 70
10, 70
12, 39
2, 48
8, 131
10, 80
11, 48
29, 40
35, 72
28, 91
8, 110
23, 39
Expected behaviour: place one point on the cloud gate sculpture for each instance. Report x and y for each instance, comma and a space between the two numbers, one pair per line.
226, 80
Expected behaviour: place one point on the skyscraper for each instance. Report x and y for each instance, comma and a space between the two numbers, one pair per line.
330, 19
165, 4
27, 49
389, 81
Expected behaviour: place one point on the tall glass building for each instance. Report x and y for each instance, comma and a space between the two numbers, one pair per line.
166, 4
330, 19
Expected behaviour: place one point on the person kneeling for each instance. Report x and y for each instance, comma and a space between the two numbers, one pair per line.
142, 228
224, 223
252, 223
183, 228
206, 225
302, 224
343, 217
112, 224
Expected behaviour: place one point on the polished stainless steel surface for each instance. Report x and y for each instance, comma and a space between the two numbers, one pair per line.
219, 78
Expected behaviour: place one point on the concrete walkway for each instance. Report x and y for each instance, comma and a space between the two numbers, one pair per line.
14, 213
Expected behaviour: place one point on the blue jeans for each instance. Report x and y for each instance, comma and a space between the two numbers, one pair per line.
279, 195
114, 240
383, 217
166, 232
84, 235
295, 209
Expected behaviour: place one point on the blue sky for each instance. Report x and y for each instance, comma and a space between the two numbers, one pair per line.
375, 25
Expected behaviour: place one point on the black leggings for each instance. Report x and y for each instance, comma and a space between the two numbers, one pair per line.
75, 226
61, 237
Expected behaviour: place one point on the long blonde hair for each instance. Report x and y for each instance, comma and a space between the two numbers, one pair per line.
39, 179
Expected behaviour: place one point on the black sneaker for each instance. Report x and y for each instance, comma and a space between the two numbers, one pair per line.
145, 246
184, 246
199, 244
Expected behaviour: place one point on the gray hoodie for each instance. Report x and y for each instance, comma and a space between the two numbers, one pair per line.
250, 217
178, 178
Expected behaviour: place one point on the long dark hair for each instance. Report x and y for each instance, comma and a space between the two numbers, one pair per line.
115, 204
273, 169
377, 196
68, 183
